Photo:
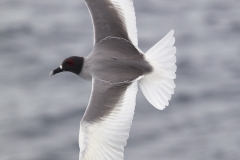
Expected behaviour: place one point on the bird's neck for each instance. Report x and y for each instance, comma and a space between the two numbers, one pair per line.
85, 74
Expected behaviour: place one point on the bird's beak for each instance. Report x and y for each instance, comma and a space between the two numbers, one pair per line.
55, 71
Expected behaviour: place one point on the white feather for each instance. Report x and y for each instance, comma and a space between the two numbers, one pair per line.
126, 9
158, 86
105, 140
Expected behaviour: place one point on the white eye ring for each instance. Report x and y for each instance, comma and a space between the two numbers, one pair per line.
61, 66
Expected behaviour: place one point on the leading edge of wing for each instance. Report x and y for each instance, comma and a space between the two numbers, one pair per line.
105, 126
114, 18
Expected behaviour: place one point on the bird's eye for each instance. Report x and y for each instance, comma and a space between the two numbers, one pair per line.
70, 62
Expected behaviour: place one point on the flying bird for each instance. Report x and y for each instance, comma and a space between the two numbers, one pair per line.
116, 67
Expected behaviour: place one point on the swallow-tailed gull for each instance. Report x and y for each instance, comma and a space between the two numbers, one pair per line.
116, 67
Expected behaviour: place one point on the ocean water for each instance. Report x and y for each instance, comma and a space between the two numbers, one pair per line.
39, 115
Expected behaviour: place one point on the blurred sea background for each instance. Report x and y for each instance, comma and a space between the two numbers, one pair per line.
40, 115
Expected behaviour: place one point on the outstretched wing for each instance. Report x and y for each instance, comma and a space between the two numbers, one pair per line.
105, 126
114, 18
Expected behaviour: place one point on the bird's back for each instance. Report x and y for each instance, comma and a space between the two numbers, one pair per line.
116, 60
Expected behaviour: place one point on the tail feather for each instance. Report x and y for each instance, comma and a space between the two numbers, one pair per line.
165, 42
158, 86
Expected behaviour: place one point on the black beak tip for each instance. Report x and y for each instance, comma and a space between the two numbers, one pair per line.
55, 71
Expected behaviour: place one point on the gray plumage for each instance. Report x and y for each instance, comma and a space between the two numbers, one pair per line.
116, 66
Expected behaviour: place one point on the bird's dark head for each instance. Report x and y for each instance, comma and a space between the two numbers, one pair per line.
72, 64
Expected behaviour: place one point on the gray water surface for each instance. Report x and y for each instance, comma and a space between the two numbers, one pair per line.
39, 116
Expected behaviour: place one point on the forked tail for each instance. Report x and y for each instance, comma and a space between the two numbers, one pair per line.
158, 86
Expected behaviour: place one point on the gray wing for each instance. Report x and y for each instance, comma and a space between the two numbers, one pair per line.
105, 126
114, 18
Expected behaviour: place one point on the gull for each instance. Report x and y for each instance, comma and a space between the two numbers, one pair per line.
116, 66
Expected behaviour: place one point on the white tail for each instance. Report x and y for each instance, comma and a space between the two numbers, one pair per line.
158, 86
